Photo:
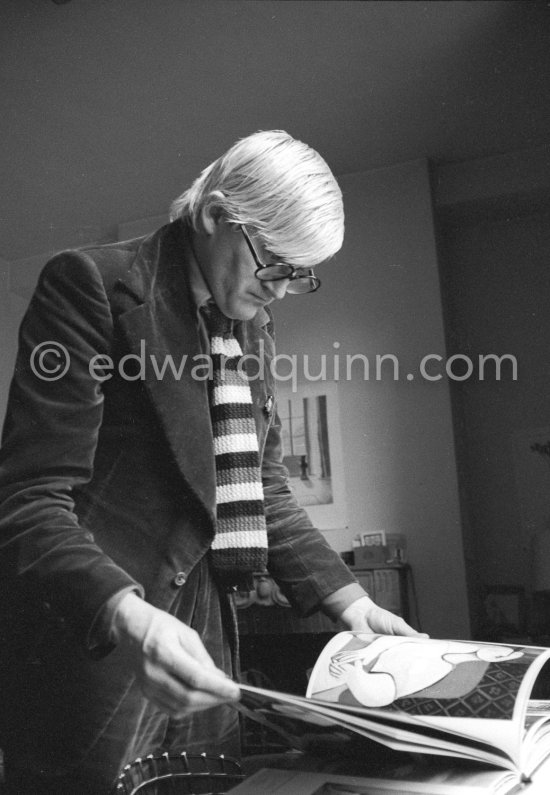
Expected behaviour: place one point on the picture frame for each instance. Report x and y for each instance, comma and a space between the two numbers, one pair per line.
374, 538
312, 444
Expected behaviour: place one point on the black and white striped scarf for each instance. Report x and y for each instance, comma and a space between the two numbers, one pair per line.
240, 543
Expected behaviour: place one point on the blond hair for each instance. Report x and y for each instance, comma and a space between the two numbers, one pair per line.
280, 189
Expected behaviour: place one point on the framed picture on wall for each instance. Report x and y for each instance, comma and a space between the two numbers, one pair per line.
310, 427
376, 538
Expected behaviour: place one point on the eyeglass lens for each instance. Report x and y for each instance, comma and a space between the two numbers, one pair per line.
306, 283
303, 284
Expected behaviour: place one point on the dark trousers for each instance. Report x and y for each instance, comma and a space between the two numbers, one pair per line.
75, 722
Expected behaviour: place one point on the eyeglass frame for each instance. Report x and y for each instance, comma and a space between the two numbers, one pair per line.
292, 276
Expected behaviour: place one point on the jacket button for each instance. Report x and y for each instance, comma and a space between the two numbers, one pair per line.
180, 579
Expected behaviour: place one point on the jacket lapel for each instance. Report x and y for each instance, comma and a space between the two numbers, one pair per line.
254, 339
157, 318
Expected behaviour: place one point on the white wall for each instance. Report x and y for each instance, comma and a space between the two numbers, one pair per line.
382, 296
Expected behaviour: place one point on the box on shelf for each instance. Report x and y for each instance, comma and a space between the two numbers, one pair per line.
393, 553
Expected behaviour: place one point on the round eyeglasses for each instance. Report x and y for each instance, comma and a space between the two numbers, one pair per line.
301, 280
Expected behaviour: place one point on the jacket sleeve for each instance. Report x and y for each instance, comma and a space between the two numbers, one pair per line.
50, 434
300, 559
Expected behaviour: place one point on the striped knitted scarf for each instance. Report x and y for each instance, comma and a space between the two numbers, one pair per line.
240, 543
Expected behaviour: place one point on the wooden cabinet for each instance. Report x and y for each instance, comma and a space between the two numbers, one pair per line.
266, 611
388, 586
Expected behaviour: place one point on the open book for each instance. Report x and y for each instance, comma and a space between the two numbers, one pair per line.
446, 698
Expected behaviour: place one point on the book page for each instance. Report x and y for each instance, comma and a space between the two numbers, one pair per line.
308, 724
538, 707
467, 688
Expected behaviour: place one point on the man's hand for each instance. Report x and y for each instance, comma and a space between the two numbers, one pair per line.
364, 615
170, 662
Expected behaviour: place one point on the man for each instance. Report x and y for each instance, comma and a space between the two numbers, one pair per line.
124, 522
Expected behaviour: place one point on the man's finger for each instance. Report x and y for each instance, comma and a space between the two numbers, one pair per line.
195, 677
